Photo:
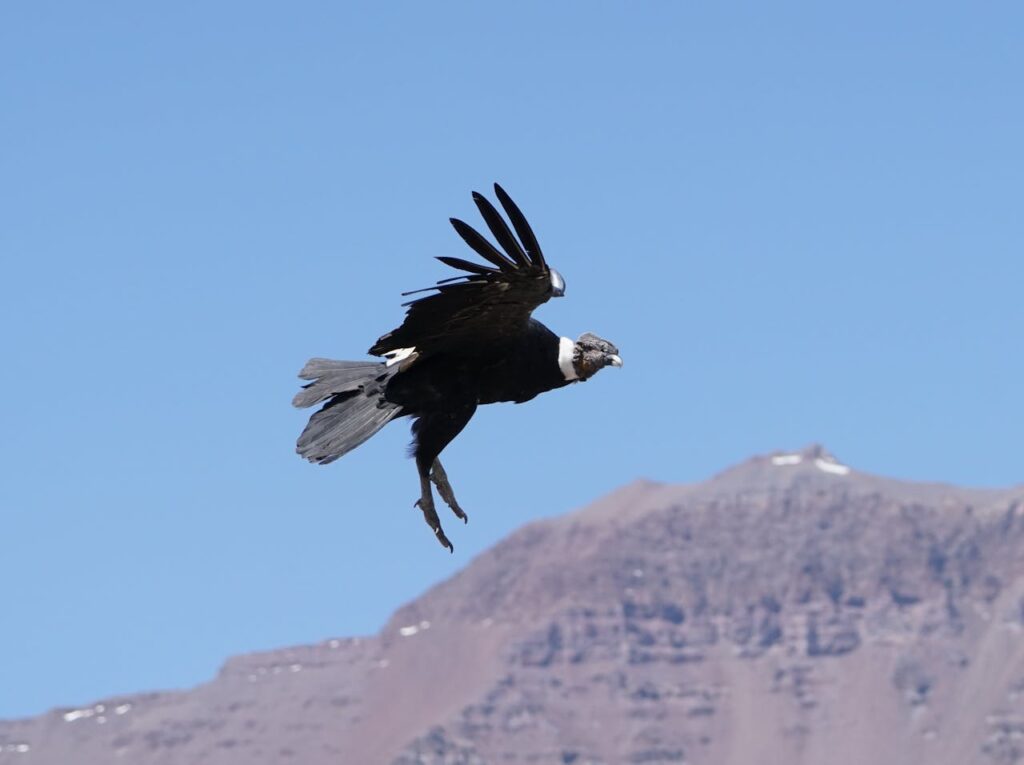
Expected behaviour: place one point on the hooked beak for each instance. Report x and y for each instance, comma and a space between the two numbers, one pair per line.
615, 361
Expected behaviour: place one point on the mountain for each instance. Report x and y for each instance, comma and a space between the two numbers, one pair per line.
788, 610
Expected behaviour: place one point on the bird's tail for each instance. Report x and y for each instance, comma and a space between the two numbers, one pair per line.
355, 408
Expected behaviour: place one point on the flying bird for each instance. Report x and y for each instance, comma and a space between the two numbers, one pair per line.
471, 341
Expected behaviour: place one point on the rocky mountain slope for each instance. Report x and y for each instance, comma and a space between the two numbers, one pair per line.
789, 610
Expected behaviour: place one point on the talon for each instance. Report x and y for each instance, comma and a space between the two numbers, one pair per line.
444, 488
444, 540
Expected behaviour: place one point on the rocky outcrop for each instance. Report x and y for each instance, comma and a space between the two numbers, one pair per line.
790, 609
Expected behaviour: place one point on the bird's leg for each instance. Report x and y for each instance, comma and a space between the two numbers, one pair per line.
432, 431
426, 504
440, 479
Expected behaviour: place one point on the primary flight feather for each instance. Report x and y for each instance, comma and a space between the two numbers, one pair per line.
471, 341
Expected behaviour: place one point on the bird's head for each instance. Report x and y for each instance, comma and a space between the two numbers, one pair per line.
590, 354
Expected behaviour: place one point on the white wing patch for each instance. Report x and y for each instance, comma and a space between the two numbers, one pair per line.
398, 355
557, 283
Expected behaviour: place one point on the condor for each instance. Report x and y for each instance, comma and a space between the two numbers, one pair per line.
472, 341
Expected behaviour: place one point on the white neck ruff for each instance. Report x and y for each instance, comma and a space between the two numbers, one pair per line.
565, 351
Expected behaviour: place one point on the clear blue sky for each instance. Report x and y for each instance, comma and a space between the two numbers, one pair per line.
798, 224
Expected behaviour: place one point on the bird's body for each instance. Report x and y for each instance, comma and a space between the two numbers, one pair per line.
516, 370
471, 342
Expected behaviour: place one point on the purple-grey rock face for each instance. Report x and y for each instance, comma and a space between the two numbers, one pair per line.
789, 610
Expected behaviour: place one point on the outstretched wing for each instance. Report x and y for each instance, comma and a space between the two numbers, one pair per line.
491, 302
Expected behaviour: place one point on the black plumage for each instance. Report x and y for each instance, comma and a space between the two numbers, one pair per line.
471, 341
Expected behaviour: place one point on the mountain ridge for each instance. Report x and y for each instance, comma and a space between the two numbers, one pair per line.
786, 603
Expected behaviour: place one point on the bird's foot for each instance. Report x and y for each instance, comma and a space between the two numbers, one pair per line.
440, 479
426, 504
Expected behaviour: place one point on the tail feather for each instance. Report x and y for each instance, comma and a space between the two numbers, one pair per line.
330, 377
356, 408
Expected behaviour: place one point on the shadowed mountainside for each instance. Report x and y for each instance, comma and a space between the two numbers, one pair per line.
789, 610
